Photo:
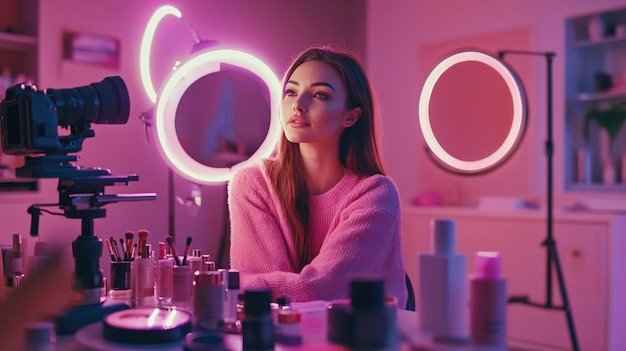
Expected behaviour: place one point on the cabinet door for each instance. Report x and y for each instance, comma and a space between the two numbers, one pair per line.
582, 251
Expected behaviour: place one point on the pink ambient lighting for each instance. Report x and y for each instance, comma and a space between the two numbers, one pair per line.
518, 112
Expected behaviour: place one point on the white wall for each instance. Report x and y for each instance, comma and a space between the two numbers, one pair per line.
395, 32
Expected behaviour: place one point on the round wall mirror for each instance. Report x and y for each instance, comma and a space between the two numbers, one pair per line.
472, 112
216, 113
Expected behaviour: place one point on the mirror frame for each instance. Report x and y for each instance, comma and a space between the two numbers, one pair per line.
177, 84
515, 134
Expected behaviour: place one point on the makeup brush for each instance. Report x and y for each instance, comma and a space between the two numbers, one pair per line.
132, 253
129, 235
115, 250
108, 245
186, 251
143, 240
123, 245
170, 243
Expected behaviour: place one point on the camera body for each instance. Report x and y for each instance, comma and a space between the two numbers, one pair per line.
30, 119
28, 122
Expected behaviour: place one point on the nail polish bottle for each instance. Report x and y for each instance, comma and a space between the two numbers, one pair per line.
443, 287
488, 301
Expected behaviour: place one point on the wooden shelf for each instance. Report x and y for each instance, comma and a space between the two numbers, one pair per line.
590, 97
584, 43
17, 42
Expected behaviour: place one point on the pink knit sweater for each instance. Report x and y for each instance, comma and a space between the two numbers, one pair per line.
355, 229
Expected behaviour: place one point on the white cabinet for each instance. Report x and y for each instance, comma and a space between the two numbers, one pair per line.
592, 252
595, 80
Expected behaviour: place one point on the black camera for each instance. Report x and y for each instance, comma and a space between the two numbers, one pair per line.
29, 119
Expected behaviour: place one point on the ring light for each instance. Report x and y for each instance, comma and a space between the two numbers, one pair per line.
146, 45
514, 135
179, 81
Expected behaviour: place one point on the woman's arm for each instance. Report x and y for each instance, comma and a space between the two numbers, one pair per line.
258, 243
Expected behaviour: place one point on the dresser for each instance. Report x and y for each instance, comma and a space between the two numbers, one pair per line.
591, 248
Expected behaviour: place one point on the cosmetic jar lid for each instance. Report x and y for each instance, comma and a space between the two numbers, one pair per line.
233, 279
257, 301
367, 293
208, 266
443, 231
289, 316
487, 264
208, 278
196, 253
283, 301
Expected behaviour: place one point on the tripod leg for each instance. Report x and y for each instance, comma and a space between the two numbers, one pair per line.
566, 305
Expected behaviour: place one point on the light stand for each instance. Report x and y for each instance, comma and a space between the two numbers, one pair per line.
549, 242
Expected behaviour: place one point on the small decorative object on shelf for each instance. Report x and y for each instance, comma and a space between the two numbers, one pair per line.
596, 27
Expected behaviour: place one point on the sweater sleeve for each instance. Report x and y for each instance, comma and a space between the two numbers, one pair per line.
365, 242
257, 240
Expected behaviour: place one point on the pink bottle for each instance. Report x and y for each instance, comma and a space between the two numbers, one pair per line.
488, 301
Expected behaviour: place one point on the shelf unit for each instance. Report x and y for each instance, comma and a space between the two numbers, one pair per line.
595, 79
19, 56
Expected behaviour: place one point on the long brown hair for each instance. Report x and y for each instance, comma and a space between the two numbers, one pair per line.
358, 149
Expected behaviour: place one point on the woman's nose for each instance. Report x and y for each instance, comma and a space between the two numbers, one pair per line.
299, 105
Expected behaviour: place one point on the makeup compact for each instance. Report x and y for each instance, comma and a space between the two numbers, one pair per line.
147, 325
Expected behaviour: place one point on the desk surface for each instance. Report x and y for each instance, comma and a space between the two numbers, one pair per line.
313, 334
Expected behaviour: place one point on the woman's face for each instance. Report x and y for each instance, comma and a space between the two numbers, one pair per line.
314, 104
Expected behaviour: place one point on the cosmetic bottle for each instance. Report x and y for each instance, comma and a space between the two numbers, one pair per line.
164, 287
40, 255
373, 323
182, 284
208, 300
257, 328
288, 330
443, 287
488, 301
195, 260
144, 278
231, 296
18, 260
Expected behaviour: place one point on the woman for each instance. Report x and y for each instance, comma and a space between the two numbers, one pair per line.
322, 212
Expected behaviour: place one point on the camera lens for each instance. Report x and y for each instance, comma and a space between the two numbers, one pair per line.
105, 102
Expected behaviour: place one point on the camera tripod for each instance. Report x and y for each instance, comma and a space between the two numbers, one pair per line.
81, 196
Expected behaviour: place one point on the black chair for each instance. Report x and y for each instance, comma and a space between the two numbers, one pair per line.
410, 303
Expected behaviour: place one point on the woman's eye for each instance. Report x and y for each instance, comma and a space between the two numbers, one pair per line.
290, 92
321, 95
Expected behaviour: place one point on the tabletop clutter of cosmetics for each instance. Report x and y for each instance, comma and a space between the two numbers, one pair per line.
172, 297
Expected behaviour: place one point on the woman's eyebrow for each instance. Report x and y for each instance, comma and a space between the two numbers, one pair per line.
313, 84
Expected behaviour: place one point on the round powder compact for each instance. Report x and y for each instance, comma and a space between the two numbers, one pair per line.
147, 325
